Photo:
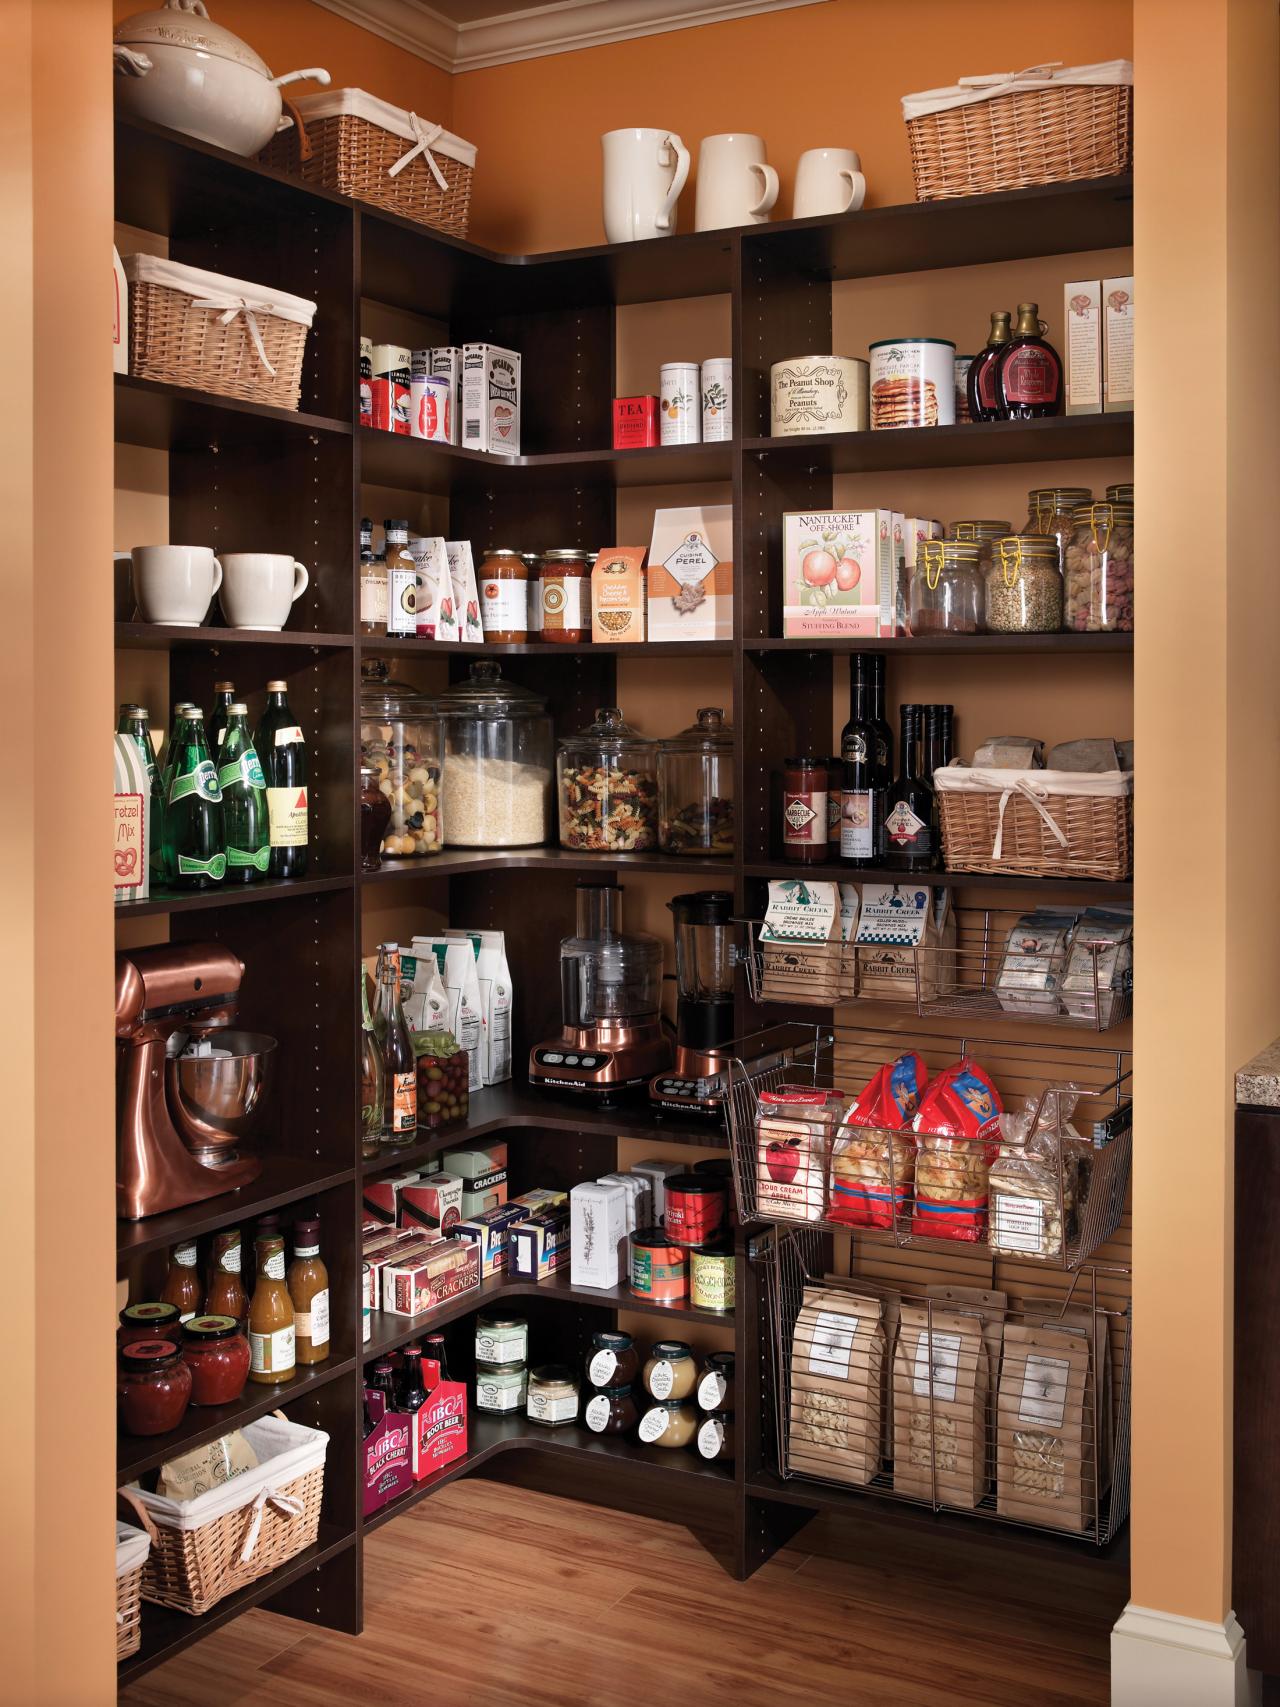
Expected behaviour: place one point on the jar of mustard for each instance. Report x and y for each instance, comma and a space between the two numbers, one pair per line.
670, 1372
671, 1424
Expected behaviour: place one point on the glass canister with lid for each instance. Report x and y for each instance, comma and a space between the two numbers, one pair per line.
401, 743
983, 534
1121, 492
946, 587
1024, 586
497, 761
695, 787
1099, 570
1051, 510
607, 786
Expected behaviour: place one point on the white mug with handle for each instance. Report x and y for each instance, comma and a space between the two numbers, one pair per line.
644, 173
174, 584
736, 185
828, 181
258, 588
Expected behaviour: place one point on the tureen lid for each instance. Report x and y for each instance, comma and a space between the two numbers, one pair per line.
185, 23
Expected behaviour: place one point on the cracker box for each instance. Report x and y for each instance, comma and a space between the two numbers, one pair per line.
1117, 348
382, 1197
1082, 340
489, 1230
483, 1172
433, 1204
445, 1269
690, 593
617, 595
833, 564
538, 1246
491, 399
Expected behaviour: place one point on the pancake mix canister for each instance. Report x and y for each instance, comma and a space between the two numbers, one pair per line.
913, 383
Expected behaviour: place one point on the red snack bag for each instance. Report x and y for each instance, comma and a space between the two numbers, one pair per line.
958, 1134
871, 1169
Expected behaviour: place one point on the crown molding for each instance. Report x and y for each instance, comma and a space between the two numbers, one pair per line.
565, 26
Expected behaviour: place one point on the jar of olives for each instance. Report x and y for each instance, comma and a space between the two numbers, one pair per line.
1024, 586
443, 1072
1099, 573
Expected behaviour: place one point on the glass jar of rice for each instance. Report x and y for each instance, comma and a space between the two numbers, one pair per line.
497, 761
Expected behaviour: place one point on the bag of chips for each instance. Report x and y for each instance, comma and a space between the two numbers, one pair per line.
957, 1130
873, 1159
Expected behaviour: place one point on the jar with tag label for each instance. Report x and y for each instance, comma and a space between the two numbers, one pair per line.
564, 587
612, 1360
503, 585
671, 1424
611, 1411
715, 1439
671, 1372
715, 1390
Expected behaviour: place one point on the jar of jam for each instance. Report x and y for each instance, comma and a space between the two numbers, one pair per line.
153, 1389
217, 1354
670, 1372
564, 582
715, 1439
149, 1322
715, 1385
611, 1411
697, 1208
612, 1360
503, 584
805, 786
671, 1424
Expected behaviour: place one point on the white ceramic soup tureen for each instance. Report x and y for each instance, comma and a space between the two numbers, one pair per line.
177, 68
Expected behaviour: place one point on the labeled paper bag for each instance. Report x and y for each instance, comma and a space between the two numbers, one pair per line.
1045, 1471
466, 596
940, 1407
838, 1372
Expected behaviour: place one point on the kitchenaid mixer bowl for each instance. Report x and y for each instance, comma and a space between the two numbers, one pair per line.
218, 1100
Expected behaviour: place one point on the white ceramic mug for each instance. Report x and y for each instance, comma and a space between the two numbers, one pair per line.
644, 173
828, 180
174, 585
735, 184
258, 587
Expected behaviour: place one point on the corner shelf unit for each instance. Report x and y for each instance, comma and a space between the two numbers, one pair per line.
293, 483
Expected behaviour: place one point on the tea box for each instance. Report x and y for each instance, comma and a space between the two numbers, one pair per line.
635, 422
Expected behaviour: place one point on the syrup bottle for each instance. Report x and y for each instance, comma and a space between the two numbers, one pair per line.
1028, 370
981, 383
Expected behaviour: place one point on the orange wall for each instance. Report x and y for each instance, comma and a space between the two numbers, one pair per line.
830, 75
292, 34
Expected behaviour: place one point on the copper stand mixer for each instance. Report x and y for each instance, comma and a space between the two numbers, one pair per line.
182, 1117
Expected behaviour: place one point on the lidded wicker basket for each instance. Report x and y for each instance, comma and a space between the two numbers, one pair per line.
349, 141
1034, 823
1049, 124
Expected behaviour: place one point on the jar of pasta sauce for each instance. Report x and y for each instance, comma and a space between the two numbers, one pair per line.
217, 1354
154, 1387
503, 585
564, 580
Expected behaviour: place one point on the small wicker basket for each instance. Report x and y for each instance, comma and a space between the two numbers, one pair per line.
132, 1548
206, 1548
215, 334
1045, 125
349, 141
1037, 823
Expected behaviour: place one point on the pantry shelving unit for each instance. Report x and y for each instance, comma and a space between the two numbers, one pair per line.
245, 476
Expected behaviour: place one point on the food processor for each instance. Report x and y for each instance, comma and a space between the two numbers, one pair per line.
614, 1038
704, 1005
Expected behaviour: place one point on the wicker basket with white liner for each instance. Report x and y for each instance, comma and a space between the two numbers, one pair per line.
208, 1547
1007, 130
132, 1547
213, 333
352, 142
1036, 823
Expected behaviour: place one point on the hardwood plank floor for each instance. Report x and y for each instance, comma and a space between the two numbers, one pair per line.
491, 1594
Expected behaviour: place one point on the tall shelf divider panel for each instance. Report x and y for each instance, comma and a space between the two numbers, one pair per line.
244, 476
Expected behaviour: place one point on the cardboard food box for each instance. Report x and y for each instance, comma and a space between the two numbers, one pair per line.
416, 1283
489, 1230
382, 1197
447, 364
1082, 336
1117, 352
402, 1250
598, 1233
617, 596
802, 943
491, 399
483, 1172
690, 593
387, 1469
120, 326
438, 1430
635, 422
834, 563
539, 1245
434, 1203
131, 834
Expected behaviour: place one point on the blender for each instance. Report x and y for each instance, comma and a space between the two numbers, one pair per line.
614, 1038
704, 1005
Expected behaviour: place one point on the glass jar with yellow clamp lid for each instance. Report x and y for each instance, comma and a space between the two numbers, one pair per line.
1099, 570
1024, 585
946, 588
983, 534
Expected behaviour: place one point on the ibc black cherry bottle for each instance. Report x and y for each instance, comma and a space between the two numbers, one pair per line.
910, 841
1028, 371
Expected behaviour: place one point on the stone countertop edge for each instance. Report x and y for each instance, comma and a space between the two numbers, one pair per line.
1258, 1081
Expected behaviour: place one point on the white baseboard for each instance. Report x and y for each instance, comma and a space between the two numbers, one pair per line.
1161, 1659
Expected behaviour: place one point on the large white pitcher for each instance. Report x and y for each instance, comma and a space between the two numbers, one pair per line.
736, 185
644, 173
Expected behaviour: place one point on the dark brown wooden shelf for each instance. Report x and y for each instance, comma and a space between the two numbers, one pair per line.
487, 1436
391, 459
230, 895
153, 637
284, 1179
974, 444
962, 645
173, 417
514, 1106
454, 862
207, 1422
166, 1633
400, 646
948, 879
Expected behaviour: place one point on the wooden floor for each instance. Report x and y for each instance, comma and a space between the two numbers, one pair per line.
491, 1595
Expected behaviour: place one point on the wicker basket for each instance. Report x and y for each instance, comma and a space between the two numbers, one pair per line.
132, 1548
1037, 823
1048, 125
349, 141
216, 334
208, 1547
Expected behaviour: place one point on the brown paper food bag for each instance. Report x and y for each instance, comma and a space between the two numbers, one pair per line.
838, 1370
1095, 1326
940, 1407
906, 936
992, 1307
1045, 1468
801, 944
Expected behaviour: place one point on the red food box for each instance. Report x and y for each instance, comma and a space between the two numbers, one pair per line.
387, 1454
396, 1252
438, 1431
635, 422
433, 1204
382, 1197
425, 1279
389, 405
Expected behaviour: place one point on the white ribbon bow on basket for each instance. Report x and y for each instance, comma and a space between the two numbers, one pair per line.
428, 135
1042, 73
282, 1502
1037, 797
237, 305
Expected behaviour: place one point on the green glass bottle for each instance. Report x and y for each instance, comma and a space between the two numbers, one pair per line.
244, 800
282, 752
194, 845
135, 721
216, 729
180, 709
